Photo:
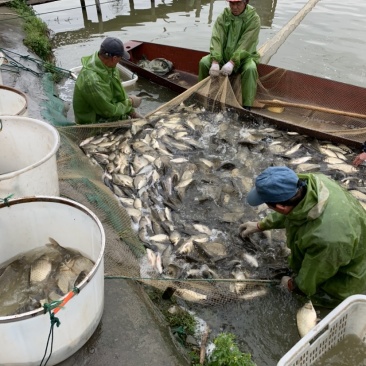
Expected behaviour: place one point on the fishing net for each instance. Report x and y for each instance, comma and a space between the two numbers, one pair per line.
319, 107
171, 211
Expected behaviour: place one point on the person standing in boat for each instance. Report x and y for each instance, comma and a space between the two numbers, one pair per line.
99, 95
233, 48
325, 229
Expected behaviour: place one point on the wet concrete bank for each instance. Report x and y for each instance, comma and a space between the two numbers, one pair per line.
132, 331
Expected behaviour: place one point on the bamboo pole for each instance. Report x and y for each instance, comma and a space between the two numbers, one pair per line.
203, 345
280, 103
272, 45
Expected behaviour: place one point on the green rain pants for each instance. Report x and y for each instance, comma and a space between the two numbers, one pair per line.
249, 76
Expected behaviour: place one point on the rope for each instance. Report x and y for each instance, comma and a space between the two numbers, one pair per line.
54, 320
39, 63
55, 306
251, 280
6, 199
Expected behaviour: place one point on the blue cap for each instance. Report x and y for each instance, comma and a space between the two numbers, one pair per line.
275, 184
112, 46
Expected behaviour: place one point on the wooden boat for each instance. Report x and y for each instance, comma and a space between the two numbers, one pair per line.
291, 100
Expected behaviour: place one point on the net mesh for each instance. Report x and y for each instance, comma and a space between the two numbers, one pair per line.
169, 188
335, 110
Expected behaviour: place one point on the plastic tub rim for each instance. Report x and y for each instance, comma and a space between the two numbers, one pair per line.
23, 110
90, 275
45, 158
121, 68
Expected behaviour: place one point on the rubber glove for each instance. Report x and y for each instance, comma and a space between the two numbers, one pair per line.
136, 115
215, 69
287, 283
359, 159
227, 69
248, 228
136, 101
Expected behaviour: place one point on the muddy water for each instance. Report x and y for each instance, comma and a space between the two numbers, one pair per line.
329, 42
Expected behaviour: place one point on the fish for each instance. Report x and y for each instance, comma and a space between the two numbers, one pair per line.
65, 278
359, 195
182, 176
190, 295
301, 160
251, 260
238, 274
70, 267
293, 149
346, 168
203, 229
253, 294
306, 318
40, 269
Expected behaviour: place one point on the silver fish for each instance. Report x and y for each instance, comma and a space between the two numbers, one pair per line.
306, 319
40, 269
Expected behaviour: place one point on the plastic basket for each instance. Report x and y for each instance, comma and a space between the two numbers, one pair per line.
347, 318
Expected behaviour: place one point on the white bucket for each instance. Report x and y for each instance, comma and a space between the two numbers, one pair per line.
12, 101
128, 77
27, 223
28, 165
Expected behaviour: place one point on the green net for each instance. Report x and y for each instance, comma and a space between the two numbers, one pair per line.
170, 192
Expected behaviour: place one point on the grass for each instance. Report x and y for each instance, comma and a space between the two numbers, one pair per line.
183, 324
36, 31
37, 38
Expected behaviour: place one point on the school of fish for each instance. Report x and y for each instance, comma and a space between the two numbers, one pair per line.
182, 175
40, 276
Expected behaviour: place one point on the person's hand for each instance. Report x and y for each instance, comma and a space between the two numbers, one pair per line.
136, 101
215, 69
136, 115
359, 159
287, 283
248, 228
227, 69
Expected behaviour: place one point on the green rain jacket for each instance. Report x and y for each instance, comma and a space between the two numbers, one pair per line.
326, 233
99, 95
235, 37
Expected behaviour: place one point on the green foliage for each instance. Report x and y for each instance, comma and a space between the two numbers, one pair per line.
36, 31
39, 45
227, 353
184, 319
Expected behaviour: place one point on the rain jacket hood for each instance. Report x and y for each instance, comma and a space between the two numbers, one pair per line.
99, 95
326, 233
241, 42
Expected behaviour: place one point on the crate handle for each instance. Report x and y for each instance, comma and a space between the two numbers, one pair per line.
319, 333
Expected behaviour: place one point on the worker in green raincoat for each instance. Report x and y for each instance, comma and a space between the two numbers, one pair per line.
233, 48
99, 95
325, 228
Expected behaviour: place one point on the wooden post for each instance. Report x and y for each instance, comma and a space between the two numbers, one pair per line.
97, 4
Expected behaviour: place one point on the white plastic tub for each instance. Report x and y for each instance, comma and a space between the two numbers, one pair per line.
28, 164
13, 102
128, 77
27, 223
347, 318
